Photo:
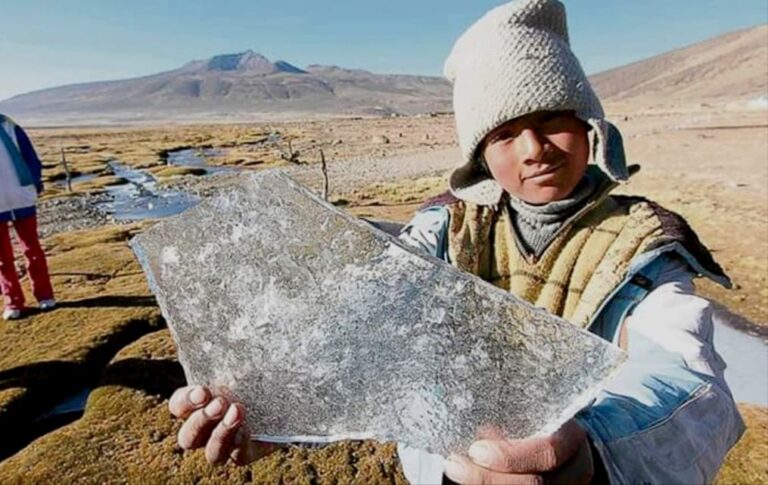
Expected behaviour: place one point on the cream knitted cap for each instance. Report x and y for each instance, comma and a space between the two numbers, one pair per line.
514, 61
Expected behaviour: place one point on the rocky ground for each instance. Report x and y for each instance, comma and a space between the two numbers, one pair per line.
108, 334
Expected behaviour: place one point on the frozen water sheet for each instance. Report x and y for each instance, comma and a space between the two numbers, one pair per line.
327, 328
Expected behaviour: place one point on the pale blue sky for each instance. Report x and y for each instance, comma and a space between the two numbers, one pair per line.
46, 43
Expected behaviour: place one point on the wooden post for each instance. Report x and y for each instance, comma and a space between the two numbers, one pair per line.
66, 170
324, 168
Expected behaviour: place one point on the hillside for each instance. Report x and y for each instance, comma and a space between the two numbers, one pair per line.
234, 86
728, 68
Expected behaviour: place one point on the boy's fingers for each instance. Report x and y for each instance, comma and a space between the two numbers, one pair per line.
186, 400
534, 455
221, 443
197, 428
463, 470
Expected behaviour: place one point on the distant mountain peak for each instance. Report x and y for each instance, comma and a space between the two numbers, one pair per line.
243, 61
249, 62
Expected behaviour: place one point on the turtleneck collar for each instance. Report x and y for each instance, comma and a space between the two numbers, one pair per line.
537, 225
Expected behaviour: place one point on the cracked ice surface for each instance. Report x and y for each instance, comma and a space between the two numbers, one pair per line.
326, 328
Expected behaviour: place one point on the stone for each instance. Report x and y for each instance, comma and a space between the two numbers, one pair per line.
327, 328
380, 139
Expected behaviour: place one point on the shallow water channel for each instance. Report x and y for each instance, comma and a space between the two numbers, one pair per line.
140, 198
197, 157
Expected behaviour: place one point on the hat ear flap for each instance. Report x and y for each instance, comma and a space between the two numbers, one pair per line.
608, 149
472, 183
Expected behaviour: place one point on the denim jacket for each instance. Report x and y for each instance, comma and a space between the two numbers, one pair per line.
668, 416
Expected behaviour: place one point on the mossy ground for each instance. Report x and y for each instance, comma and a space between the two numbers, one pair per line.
392, 201
164, 173
104, 304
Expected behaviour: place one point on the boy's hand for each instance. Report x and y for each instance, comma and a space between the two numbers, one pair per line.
563, 457
216, 425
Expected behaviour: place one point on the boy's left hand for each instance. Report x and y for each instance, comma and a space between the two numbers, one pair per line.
562, 457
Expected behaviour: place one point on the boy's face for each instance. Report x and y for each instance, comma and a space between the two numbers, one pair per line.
539, 157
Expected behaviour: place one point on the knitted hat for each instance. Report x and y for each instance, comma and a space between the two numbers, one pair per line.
514, 61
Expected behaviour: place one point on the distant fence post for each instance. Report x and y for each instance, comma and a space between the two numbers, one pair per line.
324, 168
66, 170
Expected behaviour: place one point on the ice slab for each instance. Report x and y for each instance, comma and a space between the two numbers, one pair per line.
327, 328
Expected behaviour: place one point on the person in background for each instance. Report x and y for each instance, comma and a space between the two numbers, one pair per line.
20, 183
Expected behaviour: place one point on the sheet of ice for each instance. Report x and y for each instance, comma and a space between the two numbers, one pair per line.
327, 328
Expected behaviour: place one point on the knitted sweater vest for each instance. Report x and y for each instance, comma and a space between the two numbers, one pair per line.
582, 266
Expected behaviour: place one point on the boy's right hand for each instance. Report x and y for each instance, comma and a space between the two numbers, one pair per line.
215, 424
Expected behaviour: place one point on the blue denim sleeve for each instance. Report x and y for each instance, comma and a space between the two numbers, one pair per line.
29, 155
668, 416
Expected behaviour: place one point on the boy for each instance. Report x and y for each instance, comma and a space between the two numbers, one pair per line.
528, 213
20, 182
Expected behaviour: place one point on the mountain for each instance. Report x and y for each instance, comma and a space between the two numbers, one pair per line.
728, 68
233, 86
725, 69
245, 62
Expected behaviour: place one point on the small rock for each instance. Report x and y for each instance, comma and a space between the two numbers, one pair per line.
427, 137
338, 141
380, 139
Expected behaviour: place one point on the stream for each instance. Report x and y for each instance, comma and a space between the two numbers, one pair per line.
194, 157
140, 198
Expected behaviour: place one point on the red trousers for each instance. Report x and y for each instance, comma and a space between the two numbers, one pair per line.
37, 267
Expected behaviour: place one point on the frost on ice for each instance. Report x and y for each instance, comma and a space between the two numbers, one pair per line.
327, 328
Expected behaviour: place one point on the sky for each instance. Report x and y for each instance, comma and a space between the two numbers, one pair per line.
45, 43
